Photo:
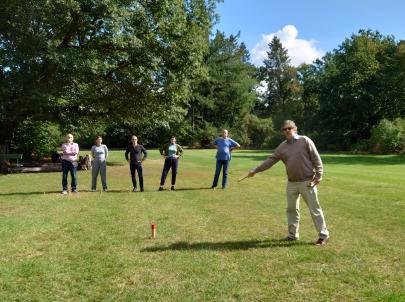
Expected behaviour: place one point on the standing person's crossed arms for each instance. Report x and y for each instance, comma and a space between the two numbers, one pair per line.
70, 150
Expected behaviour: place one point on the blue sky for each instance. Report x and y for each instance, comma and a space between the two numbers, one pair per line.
308, 28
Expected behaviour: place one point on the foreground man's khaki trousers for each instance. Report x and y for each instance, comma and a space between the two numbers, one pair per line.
310, 196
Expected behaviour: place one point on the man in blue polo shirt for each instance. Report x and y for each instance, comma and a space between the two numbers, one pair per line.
224, 146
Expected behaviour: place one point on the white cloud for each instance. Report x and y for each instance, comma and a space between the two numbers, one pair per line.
299, 50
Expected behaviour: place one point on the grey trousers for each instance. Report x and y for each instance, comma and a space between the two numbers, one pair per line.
99, 167
310, 195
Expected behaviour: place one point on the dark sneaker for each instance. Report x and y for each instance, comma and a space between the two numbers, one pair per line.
74, 191
322, 241
172, 188
142, 190
105, 190
223, 188
134, 190
161, 189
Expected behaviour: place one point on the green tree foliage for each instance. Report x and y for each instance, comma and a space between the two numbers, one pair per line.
110, 59
84, 128
281, 100
309, 78
353, 94
36, 139
122, 67
391, 83
227, 92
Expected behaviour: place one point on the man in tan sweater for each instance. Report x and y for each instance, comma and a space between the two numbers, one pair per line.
304, 171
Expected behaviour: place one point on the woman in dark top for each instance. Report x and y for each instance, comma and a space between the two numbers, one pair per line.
135, 161
171, 153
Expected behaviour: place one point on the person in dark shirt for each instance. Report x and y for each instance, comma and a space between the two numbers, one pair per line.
135, 160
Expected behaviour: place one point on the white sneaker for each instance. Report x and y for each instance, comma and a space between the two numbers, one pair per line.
93, 190
64, 192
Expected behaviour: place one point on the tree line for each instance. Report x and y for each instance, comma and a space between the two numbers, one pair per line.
155, 68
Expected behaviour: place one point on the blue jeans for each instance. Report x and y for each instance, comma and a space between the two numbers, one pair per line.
173, 163
137, 166
220, 164
68, 166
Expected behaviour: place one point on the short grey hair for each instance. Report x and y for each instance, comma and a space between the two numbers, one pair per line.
289, 122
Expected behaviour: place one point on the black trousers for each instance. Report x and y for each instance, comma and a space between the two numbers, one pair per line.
173, 163
136, 167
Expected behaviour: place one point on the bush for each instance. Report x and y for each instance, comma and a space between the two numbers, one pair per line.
36, 139
205, 135
388, 137
254, 132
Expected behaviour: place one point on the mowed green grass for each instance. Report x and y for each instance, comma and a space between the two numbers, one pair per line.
218, 245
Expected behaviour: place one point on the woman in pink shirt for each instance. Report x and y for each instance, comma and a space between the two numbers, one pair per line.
69, 163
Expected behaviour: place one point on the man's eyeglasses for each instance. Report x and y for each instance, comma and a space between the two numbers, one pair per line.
288, 128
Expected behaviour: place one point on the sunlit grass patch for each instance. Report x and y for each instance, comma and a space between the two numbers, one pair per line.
220, 245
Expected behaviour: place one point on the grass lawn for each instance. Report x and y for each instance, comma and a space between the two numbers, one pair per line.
218, 245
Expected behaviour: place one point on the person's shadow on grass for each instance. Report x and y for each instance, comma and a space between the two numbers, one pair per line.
59, 192
226, 245
97, 191
192, 189
30, 193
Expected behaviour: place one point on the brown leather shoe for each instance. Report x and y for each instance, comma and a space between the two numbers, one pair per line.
322, 241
